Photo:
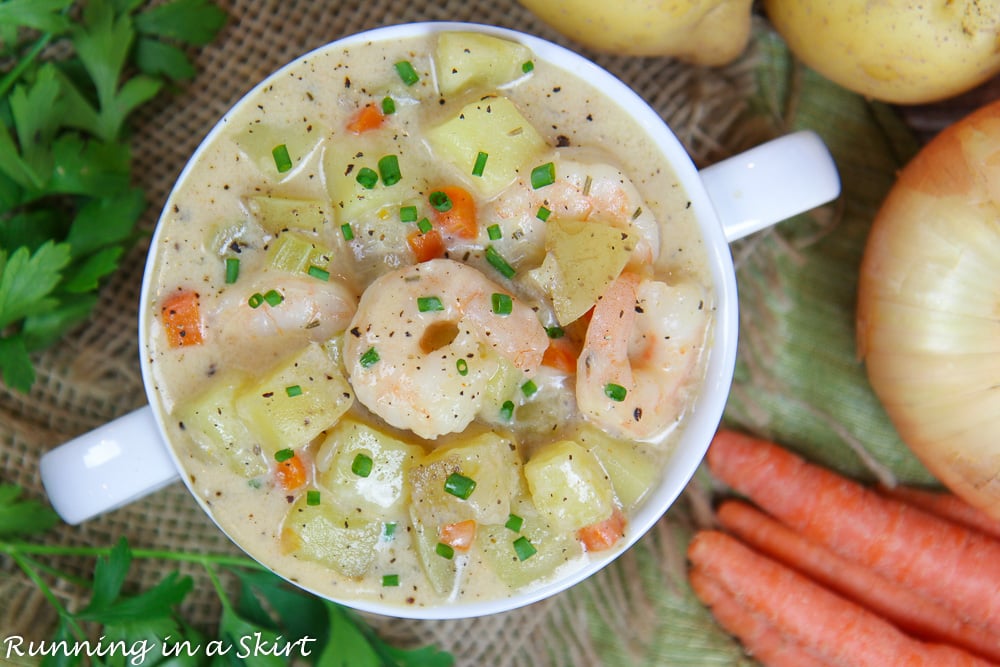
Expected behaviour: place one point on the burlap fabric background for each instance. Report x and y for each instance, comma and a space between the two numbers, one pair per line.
93, 375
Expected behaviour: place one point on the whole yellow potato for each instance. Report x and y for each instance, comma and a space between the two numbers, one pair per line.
898, 51
703, 32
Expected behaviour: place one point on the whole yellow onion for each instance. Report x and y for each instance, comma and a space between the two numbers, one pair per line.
929, 306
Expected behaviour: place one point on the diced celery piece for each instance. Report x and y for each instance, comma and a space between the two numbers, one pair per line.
632, 473
494, 126
553, 548
212, 422
501, 387
326, 534
277, 214
342, 165
581, 260
466, 60
295, 253
290, 419
258, 142
489, 459
380, 493
569, 486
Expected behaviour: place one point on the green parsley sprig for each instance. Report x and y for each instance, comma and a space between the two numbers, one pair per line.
74, 72
284, 620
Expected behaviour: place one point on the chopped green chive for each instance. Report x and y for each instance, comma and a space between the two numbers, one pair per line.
529, 388
502, 304
406, 72
362, 465
347, 231
543, 175
232, 270
283, 455
615, 392
293, 391
445, 551
407, 213
527, 66
282, 161
440, 201
463, 367
368, 178
389, 531
273, 297
318, 273
524, 548
507, 411
515, 523
497, 261
388, 169
543, 214
255, 300
493, 231
369, 358
480, 166
459, 485
424, 226
388, 106
428, 304
312, 497
390, 580
554, 332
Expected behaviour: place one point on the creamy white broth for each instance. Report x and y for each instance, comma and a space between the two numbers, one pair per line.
210, 214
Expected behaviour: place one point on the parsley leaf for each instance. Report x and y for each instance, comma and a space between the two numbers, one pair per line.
23, 517
26, 280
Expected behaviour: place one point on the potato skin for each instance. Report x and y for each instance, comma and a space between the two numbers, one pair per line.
701, 32
897, 51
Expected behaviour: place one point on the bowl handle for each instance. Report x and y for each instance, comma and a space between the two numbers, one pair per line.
771, 182
106, 468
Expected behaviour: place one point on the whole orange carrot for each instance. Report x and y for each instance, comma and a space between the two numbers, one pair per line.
824, 623
958, 567
947, 506
910, 611
761, 639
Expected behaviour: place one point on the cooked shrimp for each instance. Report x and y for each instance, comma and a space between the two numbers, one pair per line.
584, 189
642, 345
309, 309
426, 340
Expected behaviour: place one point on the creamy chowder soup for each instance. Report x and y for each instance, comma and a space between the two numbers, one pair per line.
427, 319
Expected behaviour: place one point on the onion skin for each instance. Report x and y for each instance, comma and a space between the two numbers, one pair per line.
928, 319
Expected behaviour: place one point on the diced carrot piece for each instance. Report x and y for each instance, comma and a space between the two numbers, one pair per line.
459, 536
181, 317
369, 117
290, 474
460, 219
603, 534
561, 354
426, 246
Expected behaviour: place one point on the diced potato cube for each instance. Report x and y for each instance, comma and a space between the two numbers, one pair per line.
277, 214
379, 493
443, 572
553, 548
501, 387
488, 459
581, 260
295, 253
211, 420
466, 60
494, 126
295, 402
325, 534
353, 154
568, 485
632, 473
259, 141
